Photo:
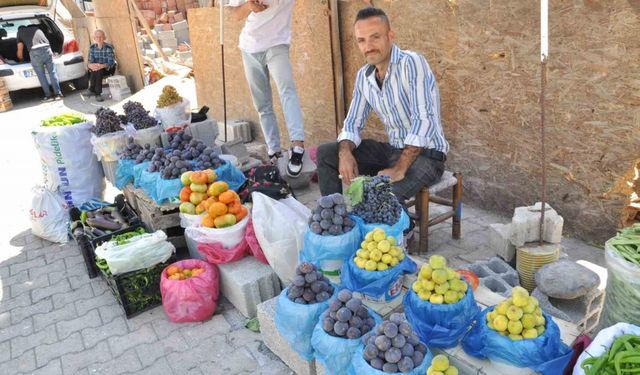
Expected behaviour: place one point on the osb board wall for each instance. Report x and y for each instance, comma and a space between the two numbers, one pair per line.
485, 55
310, 56
113, 17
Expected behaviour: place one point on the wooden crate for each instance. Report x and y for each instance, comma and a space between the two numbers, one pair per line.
165, 217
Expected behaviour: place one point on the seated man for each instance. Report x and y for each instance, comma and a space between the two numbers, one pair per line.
102, 63
400, 87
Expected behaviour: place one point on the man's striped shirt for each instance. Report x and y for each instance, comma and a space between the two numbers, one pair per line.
408, 103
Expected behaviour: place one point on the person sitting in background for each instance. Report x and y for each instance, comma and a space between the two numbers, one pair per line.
33, 40
102, 63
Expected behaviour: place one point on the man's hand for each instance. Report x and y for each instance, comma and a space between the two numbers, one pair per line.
256, 6
395, 173
1, 61
347, 164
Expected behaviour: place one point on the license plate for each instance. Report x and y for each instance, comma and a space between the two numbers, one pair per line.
28, 73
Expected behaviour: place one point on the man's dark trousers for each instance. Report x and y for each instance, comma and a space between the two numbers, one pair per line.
372, 157
95, 79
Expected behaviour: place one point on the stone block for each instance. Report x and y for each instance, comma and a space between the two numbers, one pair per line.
247, 282
163, 35
277, 344
526, 225
182, 25
182, 36
499, 241
169, 43
495, 274
565, 279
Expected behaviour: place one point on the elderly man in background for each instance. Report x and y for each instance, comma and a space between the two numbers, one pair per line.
102, 63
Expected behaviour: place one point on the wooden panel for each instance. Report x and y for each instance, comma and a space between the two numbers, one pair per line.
310, 56
485, 57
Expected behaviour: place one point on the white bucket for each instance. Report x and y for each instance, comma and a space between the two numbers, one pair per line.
331, 269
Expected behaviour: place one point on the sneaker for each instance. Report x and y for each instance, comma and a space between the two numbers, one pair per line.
273, 158
294, 166
88, 93
47, 99
58, 97
99, 98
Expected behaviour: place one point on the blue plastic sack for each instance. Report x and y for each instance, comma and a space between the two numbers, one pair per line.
336, 353
440, 326
395, 230
228, 173
546, 354
359, 365
124, 173
316, 247
378, 285
295, 322
138, 169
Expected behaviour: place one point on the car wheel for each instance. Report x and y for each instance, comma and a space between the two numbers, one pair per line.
81, 83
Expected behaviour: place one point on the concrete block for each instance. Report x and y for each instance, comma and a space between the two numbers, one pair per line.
499, 240
277, 344
526, 225
235, 148
182, 36
169, 43
236, 129
181, 25
495, 274
163, 35
150, 53
186, 55
247, 282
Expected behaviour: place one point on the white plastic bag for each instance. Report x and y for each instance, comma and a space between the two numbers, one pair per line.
49, 215
280, 226
176, 115
603, 341
108, 146
227, 237
151, 135
140, 252
68, 162
188, 220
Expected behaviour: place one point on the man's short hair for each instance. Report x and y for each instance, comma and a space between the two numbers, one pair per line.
370, 12
101, 32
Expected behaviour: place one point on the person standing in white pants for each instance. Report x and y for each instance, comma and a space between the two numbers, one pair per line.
264, 42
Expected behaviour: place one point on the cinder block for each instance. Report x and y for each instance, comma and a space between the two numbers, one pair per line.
162, 35
181, 25
277, 344
499, 240
185, 55
169, 43
525, 225
182, 36
247, 282
495, 274
235, 148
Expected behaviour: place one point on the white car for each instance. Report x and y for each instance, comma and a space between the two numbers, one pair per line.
70, 64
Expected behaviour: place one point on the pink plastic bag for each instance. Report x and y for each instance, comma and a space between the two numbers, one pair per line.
217, 254
253, 244
194, 299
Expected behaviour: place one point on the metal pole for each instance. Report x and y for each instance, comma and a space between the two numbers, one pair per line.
224, 83
544, 53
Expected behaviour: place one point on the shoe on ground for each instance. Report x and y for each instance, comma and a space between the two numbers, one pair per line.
273, 158
99, 98
294, 166
89, 93
47, 99
58, 97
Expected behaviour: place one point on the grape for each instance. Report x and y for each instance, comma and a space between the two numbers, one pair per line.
340, 328
107, 121
344, 295
354, 304
379, 204
344, 314
399, 341
138, 116
383, 343
390, 368
405, 364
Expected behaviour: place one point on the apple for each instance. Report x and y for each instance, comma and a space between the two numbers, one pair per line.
185, 178
200, 188
196, 197
187, 208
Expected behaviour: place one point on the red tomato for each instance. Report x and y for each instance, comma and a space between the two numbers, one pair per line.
470, 277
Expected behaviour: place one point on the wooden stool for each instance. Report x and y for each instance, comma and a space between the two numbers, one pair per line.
428, 194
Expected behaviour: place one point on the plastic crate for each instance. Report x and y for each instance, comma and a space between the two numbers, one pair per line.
88, 246
129, 288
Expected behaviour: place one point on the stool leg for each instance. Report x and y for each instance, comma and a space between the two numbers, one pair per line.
424, 221
457, 206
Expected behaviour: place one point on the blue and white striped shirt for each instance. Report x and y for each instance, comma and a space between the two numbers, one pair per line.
408, 103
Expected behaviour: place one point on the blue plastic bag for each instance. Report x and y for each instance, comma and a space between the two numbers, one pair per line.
546, 354
138, 169
336, 353
316, 247
378, 285
359, 365
124, 172
440, 326
166, 189
395, 230
228, 173
295, 322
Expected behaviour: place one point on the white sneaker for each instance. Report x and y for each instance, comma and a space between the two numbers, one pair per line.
294, 166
